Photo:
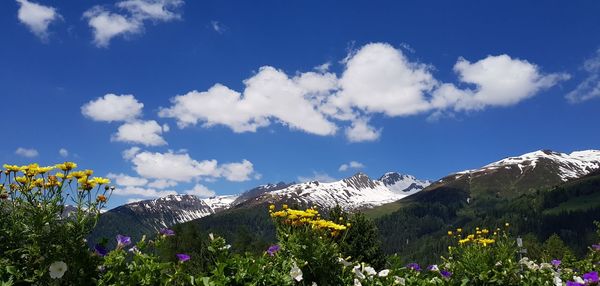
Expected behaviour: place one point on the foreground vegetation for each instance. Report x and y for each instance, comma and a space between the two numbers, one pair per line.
43, 243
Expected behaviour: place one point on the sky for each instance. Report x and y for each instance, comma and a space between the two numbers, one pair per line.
217, 97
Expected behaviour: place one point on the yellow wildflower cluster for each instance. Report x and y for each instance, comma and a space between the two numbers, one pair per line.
483, 237
33, 175
308, 217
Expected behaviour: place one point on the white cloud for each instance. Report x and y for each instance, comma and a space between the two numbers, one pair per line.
156, 10
63, 152
361, 131
237, 172
128, 154
269, 95
144, 192
144, 132
112, 107
317, 176
127, 181
135, 200
218, 27
201, 191
351, 165
499, 81
377, 79
27, 152
182, 168
107, 25
589, 88
162, 184
37, 17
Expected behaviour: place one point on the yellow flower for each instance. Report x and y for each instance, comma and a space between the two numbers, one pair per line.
78, 175
271, 207
101, 181
507, 224
88, 172
285, 207
459, 230
11, 168
463, 241
66, 166
485, 231
450, 233
21, 180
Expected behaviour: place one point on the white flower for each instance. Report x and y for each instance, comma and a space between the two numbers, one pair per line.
578, 280
370, 271
296, 273
357, 282
58, 269
434, 267
344, 262
358, 273
383, 273
399, 280
211, 236
314, 284
557, 281
228, 246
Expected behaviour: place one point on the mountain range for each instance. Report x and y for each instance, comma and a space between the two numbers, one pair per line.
404, 207
353, 193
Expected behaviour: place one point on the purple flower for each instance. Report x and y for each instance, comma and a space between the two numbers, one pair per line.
446, 273
100, 250
555, 262
413, 266
273, 249
572, 283
590, 277
183, 257
596, 247
167, 232
123, 240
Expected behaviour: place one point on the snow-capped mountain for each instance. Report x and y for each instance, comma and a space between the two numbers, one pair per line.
403, 184
356, 192
567, 166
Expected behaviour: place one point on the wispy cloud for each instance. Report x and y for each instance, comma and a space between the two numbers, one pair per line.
131, 20
589, 88
317, 176
27, 152
351, 165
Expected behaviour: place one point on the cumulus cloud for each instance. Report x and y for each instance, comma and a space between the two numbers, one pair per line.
361, 131
63, 152
351, 165
201, 191
238, 172
27, 152
317, 176
270, 95
130, 20
180, 167
499, 81
126, 180
143, 132
376, 79
37, 17
112, 107
589, 88
162, 184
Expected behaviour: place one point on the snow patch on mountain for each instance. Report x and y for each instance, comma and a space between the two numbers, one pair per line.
570, 166
403, 184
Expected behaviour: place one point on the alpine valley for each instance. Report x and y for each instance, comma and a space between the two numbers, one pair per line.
539, 193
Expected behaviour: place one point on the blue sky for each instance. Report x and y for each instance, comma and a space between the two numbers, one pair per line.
241, 93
